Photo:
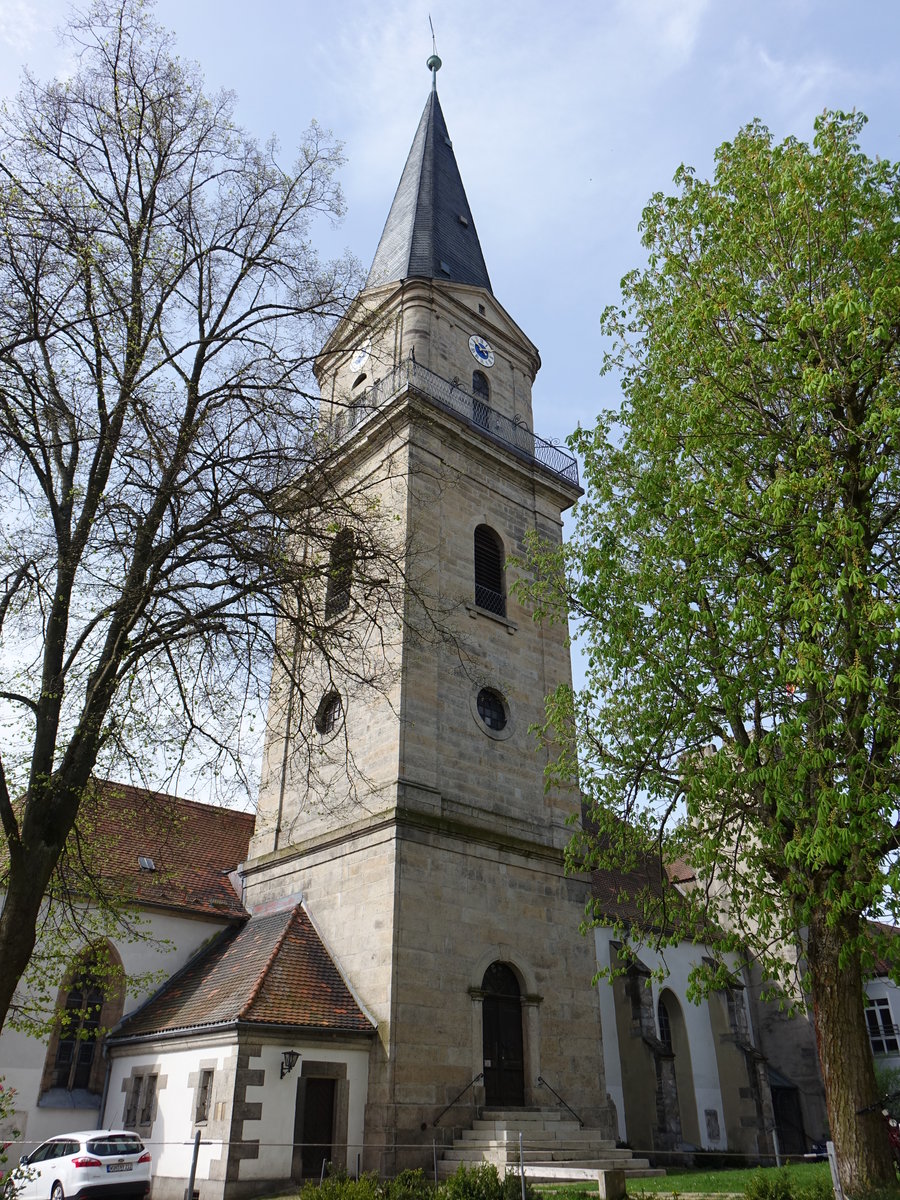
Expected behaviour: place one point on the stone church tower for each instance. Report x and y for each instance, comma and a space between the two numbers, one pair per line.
434, 869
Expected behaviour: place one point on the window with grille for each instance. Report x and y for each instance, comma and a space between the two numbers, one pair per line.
489, 591
328, 714
340, 573
204, 1091
883, 1032
140, 1099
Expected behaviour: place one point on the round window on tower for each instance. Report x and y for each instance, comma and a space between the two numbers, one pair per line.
491, 709
329, 714
492, 714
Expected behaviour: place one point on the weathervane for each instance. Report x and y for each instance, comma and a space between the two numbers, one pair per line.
434, 63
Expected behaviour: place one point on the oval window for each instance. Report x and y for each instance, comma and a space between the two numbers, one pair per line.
328, 714
492, 709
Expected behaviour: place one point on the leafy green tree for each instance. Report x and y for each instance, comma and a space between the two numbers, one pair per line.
160, 305
7, 1110
734, 579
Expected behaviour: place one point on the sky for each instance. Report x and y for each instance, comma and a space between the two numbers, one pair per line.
565, 118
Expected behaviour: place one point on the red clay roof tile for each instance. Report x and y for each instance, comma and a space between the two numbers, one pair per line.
193, 848
274, 970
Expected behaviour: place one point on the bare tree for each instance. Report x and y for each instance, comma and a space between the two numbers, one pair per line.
160, 304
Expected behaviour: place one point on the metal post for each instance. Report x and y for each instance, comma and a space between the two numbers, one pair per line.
521, 1165
358, 1159
835, 1177
434, 1158
777, 1145
189, 1194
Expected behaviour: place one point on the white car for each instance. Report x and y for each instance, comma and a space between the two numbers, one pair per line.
92, 1165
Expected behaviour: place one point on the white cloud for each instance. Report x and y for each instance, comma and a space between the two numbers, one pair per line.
669, 29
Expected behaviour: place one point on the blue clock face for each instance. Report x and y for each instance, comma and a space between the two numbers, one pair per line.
481, 350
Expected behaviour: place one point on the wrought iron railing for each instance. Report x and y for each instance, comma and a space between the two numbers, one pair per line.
452, 396
487, 598
549, 1088
458, 1097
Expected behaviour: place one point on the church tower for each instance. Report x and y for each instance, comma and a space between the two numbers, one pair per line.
422, 840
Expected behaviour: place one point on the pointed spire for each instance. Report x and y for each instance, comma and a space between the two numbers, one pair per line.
430, 233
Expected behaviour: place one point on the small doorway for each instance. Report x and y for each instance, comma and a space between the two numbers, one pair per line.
313, 1126
504, 1059
788, 1114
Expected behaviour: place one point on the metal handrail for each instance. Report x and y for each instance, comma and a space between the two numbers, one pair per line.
480, 1075
451, 395
542, 1080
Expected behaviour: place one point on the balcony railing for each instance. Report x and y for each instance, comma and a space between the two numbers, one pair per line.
494, 602
456, 399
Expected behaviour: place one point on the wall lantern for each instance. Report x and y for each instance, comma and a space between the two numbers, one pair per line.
288, 1061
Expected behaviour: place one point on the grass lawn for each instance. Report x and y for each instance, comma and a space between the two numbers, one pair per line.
800, 1174
710, 1182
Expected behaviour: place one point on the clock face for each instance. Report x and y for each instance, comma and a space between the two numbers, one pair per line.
361, 354
481, 350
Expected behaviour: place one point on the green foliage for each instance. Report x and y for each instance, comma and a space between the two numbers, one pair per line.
483, 1182
7, 1109
887, 1080
781, 1185
805, 1179
731, 570
733, 575
337, 1185
770, 1185
410, 1185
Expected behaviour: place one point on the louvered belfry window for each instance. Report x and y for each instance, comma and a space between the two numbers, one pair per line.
481, 393
489, 592
340, 573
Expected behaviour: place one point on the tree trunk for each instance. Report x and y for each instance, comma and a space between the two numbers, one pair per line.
26, 885
865, 1160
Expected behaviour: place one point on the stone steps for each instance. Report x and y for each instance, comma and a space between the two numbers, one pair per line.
531, 1153
554, 1147
535, 1134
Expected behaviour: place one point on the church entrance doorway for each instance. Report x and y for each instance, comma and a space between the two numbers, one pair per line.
313, 1126
504, 1059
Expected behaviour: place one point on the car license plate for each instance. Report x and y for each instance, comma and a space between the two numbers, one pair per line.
118, 1166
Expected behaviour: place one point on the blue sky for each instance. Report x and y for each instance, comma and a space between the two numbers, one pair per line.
565, 118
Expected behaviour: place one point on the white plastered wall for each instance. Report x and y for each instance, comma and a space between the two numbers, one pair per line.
171, 1136
167, 943
678, 963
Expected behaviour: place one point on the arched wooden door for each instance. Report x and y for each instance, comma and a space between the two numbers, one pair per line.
504, 1060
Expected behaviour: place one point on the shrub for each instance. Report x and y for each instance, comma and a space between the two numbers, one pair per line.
409, 1185
337, 1185
483, 1182
769, 1185
777, 1185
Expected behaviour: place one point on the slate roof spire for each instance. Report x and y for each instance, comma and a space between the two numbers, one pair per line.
430, 233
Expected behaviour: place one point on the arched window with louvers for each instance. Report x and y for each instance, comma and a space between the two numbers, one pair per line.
490, 591
340, 573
